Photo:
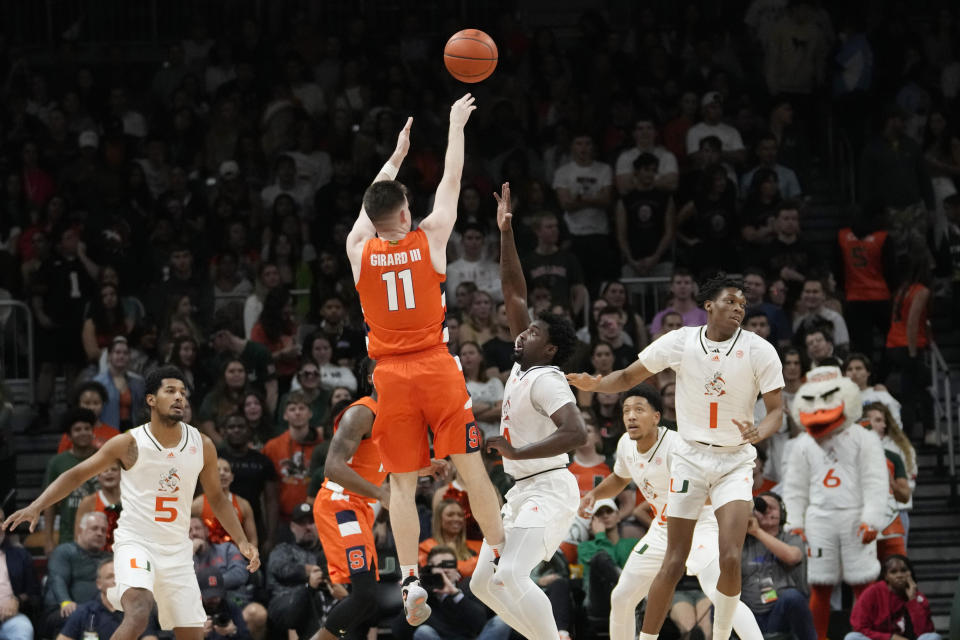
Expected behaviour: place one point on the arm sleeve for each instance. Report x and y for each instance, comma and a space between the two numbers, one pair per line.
287, 569
624, 165
919, 609
796, 488
865, 613
665, 351
874, 481
899, 470
550, 392
668, 164
769, 369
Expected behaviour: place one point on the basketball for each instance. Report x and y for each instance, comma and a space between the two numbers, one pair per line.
470, 55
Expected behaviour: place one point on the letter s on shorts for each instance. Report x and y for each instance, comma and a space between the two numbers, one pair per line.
357, 559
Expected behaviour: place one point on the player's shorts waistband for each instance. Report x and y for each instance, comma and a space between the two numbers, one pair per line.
718, 448
539, 473
413, 355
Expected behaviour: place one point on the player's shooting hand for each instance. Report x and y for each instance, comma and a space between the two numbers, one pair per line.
748, 431
403, 140
250, 552
29, 514
584, 381
586, 505
504, 210
502, 446
461, 110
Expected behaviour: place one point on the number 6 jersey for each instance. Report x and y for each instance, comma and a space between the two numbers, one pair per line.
158, 489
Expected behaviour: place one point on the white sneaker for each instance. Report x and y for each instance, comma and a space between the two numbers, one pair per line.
415, 603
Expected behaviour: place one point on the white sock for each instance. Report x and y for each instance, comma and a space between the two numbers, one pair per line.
496, 548
407, 570
648, 636
724, 607
522, 598
744, 622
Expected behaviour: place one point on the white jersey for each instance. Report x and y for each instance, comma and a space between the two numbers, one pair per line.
717, 382
158, 489
845, 471
529, 399
650, 471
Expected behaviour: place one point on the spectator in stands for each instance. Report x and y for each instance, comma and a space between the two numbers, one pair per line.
601, 363
225, 397
486, 391
268, 279
682, 300
254, 476
97, 617
230, 284
349, 345
813, 313
457, 614
559, 268
754, 287
72, 572
671, 321
774, 570
478, 323
788, 256
711, 111
880, 420
892, 607
602, 557
106, 321
285, 183
615, 293
610, 330
181, 279
498, 350
765, 149
184, 355
472, 266
820, 347
300, 590
215, 532
125, 389
646, 221
91, 395
584, 189
867, 260
859, 368
78, 425
666, 176
761, 200
277, 329
449, 529
675, 130
256, 358
18, 586
318, 347
708, 226
589, 467
757, 321
291, 451
669, 416
316, 396
257, 414
106, 500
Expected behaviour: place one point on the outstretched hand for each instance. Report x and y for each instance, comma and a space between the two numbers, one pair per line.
461, 110
403, 140
504, 210
583, 381
27, 514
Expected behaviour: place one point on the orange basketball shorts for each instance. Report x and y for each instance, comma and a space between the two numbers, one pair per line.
415, 392
345, 528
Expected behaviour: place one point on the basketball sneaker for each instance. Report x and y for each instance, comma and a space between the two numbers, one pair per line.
414, 601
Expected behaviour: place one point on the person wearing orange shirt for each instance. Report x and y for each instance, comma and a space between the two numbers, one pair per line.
91, 395
866, 256
450, 530
201, 509
589, 467
399, 275
106, 500
291, 452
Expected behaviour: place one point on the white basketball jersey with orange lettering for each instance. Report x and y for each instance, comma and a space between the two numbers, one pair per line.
717, 382
158, 489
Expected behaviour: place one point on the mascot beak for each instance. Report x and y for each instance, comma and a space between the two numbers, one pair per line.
821, 422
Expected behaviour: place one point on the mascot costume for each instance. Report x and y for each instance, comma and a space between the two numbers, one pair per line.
835, 489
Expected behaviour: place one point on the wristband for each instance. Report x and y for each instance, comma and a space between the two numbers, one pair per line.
390, 169
65, 603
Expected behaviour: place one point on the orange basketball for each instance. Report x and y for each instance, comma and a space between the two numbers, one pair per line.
470, 55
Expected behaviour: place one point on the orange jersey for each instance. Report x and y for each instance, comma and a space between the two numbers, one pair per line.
863, 265
366, 459
402, 296
217, 533
112, 511
588, 477
101, 433
897, 336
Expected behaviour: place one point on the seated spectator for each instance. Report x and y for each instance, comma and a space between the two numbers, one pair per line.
457, 614
98, 618
224, 399
268, 279
276, 329
300, 591
589, 467
754, 288
558, 268
774, 570
230, 285
91, 395
463, 294
757, 321
449, 530
184, 355
224, 617
859, 368
349, 344
20, 584
820, 349
258, 417
106, 501
671, 321
78, 425
485, 391
892, 607
690, 609
256, 358
315, 395
707, 231
201, 509
789, 256
606, 407
759, 209
646, 220
682, 300
106, 321
291, 452
765, 149
472, 266
478, 323
615, 293
319, 348
610, 330
669, 416
813, 311
72, 572
125, 396
498, 350
711, 110
254, 476
601, 364
602, 557
665, 177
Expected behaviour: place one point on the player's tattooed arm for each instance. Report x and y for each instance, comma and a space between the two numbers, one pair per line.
355, 425
129, 457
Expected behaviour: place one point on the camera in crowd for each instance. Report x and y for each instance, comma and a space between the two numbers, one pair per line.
432, 577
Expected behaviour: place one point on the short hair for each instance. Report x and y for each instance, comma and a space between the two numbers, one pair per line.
713, 287
473, 226
103, 563
610, 310
823, 328
646, 116
91, 514
646, 160
440, 549
89, 385
383, 198
789, 205
755, 271
648, 393
711, 141
295, 397
117, 340
77, 414
681, 272
755, 313
902, 558
561, 334
862, 357
224, 320
671, 312
156, 377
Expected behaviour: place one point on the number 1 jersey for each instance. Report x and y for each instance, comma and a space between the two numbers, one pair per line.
402, 296
158, 489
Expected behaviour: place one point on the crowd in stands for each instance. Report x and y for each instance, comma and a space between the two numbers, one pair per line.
193, 211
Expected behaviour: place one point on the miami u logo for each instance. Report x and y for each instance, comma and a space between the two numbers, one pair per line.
642, 549
683, 488
134, 565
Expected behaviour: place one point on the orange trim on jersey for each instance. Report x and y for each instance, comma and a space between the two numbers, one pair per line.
366, 459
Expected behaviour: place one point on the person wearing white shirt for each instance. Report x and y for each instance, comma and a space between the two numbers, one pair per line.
472, 266
812, 299
766, 151
285, 169
711, 106
645, 135
721, 369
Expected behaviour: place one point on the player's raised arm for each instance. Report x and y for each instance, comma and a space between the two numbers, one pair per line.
355, 423
511, 273
122, 448
439, 224
363, 228
223, 508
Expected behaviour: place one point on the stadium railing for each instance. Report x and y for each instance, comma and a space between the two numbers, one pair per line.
647, 287
943, 411
16, 350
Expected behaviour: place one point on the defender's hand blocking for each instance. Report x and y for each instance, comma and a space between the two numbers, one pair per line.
583, 381
403, 140
748, 431
502, 446
504, 212
461, 110
249, 551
